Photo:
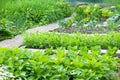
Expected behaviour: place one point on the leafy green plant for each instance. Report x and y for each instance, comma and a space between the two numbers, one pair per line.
25, 14
53, 39
113, 22
88, 17
105, 12
58, 64
4, 75
6, 25
66, 23
6, 29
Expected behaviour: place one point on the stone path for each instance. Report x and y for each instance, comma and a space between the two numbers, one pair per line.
17, 40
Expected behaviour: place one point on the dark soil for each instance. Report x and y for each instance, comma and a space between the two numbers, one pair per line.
83, 30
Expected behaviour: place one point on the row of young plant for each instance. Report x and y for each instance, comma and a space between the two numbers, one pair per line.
59, 64
93, 16
54, 39
19, 15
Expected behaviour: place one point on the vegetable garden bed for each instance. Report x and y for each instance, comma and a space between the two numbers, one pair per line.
55, 40
59, 64
68, 55
91, 19
102, 30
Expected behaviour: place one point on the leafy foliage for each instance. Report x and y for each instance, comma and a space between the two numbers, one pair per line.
4, 75
53, 39
25, 14
59, 64
89, 17
5, 29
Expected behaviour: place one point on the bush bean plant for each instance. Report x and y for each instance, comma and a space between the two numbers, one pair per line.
59, 64
54, 39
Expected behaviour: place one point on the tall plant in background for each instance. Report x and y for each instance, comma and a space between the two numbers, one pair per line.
27, 13
113, 3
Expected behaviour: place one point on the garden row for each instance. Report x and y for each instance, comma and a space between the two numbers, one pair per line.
59, 64
18, 15
91, 18
55, 40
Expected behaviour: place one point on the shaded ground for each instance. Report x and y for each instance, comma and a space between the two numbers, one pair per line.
83, 30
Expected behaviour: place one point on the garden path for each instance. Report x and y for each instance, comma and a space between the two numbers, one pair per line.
17, 40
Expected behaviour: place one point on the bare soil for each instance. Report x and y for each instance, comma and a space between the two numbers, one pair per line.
85, 31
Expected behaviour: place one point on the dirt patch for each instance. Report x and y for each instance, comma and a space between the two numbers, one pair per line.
85, 30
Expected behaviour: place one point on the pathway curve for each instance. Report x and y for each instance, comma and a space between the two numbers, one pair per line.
17, 40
